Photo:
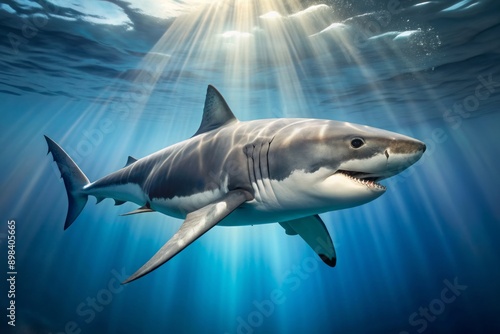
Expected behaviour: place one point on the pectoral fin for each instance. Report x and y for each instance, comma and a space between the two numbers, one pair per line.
314, 232
196, 224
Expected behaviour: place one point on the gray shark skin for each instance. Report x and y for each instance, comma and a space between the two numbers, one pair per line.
234, 173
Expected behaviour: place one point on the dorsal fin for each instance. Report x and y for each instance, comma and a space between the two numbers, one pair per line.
130, 161
216, 112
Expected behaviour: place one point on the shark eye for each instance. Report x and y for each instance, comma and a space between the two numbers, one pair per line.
357, 142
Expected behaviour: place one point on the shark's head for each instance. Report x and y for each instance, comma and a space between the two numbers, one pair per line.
344, 161
366, 155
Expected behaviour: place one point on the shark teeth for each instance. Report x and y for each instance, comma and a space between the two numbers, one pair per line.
369, 182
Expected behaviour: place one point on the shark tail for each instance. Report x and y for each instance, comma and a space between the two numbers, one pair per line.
74, 180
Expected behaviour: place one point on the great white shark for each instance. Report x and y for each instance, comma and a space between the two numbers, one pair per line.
233, 173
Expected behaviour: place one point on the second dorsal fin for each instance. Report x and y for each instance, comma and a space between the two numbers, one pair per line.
216, 112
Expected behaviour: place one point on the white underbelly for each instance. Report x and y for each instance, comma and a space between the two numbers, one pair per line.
180, 206
250, 213
275, 201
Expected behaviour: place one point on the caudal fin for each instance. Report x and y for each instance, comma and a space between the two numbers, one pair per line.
74, 180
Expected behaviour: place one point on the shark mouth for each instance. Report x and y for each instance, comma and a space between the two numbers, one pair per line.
364, 178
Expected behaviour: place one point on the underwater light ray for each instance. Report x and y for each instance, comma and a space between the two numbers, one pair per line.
348, 55
201, 27
171, 60
237, 48
363, 51
28, 149
281, 42
439, 172
184, 39
168, 58
187, 36
475, 167
374, 232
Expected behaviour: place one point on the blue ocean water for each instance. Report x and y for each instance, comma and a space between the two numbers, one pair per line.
109, 79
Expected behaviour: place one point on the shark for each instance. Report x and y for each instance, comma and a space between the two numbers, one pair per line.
236, 173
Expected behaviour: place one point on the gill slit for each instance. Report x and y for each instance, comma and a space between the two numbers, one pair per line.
269, 184
251, 172
258, 170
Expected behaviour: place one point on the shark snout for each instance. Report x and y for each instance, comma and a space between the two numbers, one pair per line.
420, 147
401, 154
408, 146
